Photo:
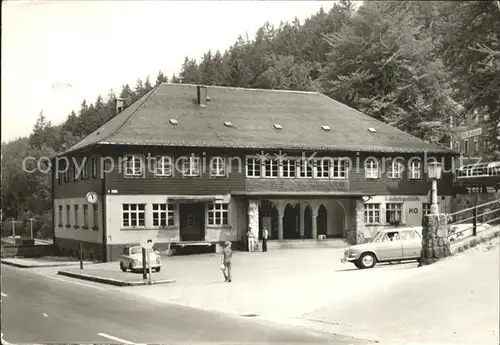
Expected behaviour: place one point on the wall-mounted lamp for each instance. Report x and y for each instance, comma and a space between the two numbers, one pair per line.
367, 198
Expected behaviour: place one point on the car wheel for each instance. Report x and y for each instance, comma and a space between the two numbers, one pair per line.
157, 269
358, 265
122, 267
367, 260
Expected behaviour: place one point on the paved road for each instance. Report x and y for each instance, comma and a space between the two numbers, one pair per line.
455, 301
43, 309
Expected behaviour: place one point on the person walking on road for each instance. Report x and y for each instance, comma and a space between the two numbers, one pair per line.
227, 255
251, 241
265, 235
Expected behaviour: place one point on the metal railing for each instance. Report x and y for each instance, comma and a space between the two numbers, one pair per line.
480, 216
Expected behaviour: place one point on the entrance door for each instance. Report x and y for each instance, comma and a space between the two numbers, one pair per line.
192, 221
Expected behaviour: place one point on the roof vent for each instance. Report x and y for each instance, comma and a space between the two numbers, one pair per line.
325, 128
201, 92
277, 126
174, 122
371, 129
228, 124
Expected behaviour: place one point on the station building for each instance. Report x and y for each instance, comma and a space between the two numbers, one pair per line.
202, 164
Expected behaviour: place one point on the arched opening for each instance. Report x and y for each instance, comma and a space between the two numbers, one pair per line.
289, 223
322, 221
307, 222
265, 217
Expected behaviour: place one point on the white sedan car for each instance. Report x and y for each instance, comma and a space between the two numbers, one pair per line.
131, 259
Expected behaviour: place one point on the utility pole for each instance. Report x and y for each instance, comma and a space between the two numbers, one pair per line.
13, 231
31, 226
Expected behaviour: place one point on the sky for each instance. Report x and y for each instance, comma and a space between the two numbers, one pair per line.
56, 53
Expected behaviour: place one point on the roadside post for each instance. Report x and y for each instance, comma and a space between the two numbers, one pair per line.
147, 247
81, 256
149, 265
31, 226
144, 273
13, 231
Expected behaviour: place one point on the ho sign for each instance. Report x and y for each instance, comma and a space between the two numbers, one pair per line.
413, 210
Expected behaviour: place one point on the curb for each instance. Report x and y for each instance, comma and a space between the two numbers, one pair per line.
8, 263
111, 281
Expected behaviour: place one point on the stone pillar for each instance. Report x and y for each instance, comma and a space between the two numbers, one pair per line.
355, 233
281, 212
435, 243
253, 217
301, 219
314, 223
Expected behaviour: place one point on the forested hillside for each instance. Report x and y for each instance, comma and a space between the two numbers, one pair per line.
406, 63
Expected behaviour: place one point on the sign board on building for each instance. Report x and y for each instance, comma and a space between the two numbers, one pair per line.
471, 133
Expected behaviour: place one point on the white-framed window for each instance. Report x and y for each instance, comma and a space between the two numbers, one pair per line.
466, 147
415, 170
476, 144
76, 209
218, 166
86, 216
163, 215
254, 167
289, 168
271, 168
457, 145
371, 168
393, 212
164, 166
372, 213
134, 165
191, 166
323, 167
133, 215
68, 215
395, 170
340, 169
306, 168
218, 214
426, 208
95, 216
60, 215
93, 168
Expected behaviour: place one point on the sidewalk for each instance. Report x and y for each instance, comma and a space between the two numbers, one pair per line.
48, 261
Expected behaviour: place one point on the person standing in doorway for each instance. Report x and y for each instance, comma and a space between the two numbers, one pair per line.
251, 241
227, 255
265, 235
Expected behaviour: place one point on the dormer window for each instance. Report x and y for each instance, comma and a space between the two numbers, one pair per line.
325, 128
277, 126
228, 124
174, 122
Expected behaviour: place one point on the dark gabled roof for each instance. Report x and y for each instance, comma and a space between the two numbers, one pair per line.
253, 114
